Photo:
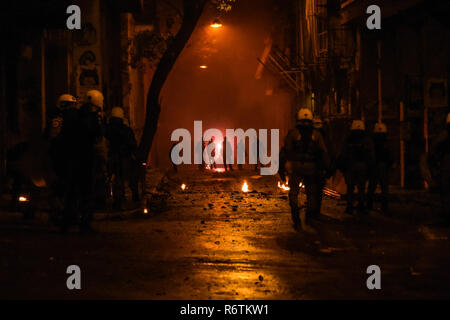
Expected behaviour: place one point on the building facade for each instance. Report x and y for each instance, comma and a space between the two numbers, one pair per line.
398, 74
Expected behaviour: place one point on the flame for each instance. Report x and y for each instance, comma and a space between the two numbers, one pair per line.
245, 187
23, 199
183, 187
145, 210
203, 67
283, 186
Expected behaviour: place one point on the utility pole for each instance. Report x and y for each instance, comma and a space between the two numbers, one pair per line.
3, 129
380, 93
402, 145
43, 102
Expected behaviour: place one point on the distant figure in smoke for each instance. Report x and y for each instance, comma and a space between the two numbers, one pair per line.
241, 153
121, 158
202, 146
306, 157
383, 162
227, 156
258, 148
355, 162
440, 157
212, 149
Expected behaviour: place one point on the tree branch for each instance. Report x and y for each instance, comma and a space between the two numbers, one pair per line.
192, 12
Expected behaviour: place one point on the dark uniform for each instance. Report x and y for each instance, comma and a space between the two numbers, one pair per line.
203, 145
227, 157
121, 160
306, 158
379, 174
355, 162
440, 157
54, 124
212, 149
331, 154
81, 131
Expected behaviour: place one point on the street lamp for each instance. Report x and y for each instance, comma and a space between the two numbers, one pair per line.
216, 23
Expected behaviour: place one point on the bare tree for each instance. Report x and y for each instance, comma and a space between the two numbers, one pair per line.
192, 10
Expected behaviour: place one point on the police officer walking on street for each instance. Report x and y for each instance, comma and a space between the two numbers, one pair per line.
121, 157
355, 162
80, 134
440, 157
306, 159
227, 154
383, 162
318, 125
93, 115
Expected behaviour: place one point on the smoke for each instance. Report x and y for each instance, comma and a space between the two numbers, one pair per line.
226, 94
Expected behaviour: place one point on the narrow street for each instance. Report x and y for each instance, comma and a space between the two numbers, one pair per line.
216, 242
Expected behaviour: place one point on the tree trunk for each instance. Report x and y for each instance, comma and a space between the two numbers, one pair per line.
192, 12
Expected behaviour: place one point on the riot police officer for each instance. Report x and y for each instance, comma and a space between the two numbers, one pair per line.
80, 135
379, 174
55, 117
93, 118
227, 154
355, 162
306, 158
440, 157
319, 125
121, 157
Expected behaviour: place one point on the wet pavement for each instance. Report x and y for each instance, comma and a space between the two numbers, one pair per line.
216, 242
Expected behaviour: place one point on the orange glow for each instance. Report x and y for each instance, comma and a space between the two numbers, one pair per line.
23, 199
183, 187
203, 67
145, 210
245, 187
283, 186
216, 25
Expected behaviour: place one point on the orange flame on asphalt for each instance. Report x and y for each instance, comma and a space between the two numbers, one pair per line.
283, 186
183, 187
245, 187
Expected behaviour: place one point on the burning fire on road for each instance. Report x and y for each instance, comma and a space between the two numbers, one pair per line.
326, 191
283, 186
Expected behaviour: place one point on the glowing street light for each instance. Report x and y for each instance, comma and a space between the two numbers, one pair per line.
23, 199
216, 24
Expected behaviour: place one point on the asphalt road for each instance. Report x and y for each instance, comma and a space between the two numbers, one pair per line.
216, 242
